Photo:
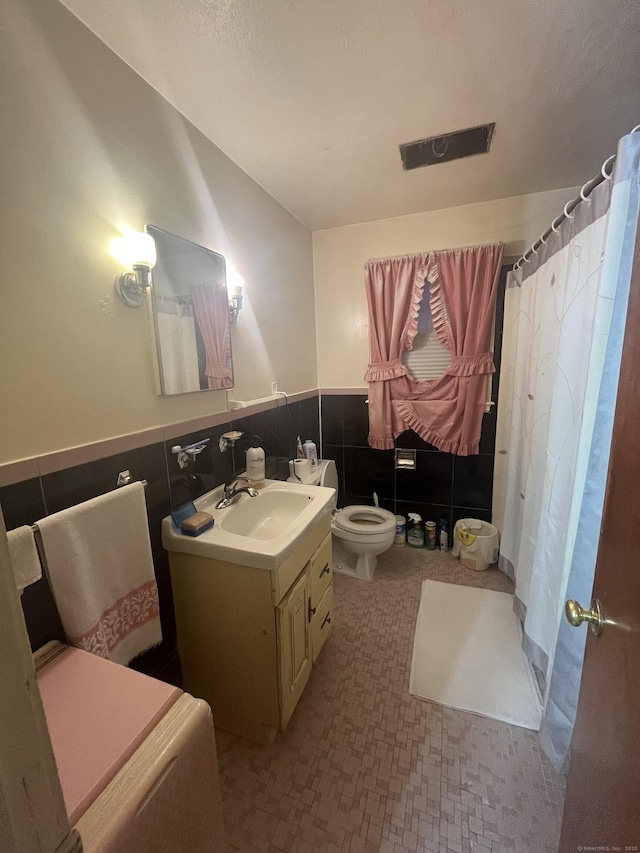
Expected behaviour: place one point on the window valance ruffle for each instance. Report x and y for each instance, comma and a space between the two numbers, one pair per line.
446, 412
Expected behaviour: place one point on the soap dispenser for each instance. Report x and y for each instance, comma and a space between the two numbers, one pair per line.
255, 462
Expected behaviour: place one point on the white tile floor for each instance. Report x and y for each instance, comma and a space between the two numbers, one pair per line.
364, 766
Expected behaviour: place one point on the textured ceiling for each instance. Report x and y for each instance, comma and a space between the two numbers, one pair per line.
312, 97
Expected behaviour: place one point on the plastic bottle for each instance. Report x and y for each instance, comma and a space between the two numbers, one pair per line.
400, 539
311, 452
415, 531
430, 536
444, 535
255, 463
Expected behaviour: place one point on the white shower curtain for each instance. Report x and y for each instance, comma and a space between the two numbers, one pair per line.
179, 359
558, 315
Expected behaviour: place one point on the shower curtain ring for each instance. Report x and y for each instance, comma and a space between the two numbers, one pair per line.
603, 171
553, 224
586, 196
567, 205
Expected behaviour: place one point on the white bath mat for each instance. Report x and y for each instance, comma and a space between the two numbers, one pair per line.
467, 654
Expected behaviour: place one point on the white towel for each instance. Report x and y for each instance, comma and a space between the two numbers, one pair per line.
98, 557
24, 557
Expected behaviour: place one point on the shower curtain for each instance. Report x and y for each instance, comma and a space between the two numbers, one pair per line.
177, 335
564, 312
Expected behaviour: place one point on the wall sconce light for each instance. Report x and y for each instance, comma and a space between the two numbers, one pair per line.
138, 252
235, 303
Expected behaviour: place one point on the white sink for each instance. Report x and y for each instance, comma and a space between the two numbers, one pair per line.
265, 517
258, 532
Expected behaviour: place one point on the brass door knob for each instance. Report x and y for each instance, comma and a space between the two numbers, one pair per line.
576, 615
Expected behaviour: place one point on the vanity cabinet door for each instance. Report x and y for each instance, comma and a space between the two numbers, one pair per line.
294, 645
321, 567
321, 623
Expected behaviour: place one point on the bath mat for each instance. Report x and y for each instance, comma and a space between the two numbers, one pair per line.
467, 655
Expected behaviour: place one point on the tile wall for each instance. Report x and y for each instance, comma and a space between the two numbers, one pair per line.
442, 485
26, 502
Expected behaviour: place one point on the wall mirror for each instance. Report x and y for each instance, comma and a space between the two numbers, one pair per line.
191, 316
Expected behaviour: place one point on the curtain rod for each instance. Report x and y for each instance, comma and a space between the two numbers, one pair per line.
426, 252
570, 206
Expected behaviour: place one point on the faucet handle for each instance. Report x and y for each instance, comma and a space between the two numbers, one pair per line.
228, 486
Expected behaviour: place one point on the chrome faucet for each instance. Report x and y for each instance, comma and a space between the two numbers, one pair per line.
232, 493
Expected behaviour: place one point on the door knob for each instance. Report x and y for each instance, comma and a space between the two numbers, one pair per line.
576, 615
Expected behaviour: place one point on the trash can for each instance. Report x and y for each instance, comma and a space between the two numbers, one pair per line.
476, 543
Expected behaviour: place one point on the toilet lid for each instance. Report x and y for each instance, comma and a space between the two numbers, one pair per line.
365, 520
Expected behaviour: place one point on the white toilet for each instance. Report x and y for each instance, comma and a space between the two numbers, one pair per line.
360, 533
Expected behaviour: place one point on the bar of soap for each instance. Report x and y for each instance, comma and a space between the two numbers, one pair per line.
197, 524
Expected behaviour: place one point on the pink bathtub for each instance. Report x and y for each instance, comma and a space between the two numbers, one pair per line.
136, 757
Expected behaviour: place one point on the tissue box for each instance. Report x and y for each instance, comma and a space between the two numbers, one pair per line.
197, 524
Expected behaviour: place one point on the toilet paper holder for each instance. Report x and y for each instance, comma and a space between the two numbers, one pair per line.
405, 460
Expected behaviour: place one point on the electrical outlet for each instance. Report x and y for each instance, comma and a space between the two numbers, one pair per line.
274, 387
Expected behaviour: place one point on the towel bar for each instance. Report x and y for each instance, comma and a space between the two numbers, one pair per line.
121, 482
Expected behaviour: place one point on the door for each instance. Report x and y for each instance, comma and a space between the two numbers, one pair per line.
602, 806
294, 645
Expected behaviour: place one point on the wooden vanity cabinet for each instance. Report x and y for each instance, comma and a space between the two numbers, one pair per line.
248, 637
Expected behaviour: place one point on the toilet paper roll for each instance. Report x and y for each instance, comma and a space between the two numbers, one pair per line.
302, 468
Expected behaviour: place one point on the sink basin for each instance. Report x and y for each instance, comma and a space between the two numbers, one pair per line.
265, 517
260, 532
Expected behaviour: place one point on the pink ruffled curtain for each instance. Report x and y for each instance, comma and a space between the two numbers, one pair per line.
446, 412
211, 307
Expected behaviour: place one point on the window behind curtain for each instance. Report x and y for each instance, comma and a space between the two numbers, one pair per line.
429, 357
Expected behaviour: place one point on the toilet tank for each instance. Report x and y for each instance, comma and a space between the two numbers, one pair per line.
328, 474
325, 474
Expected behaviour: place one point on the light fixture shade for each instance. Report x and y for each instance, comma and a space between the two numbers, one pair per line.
138, 250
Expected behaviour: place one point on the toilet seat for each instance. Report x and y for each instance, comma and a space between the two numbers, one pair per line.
376, 520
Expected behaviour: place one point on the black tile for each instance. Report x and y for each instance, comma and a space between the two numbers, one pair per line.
355, 415
367, 471
470, 512
260, 425
286, 427
412, 441
431, 481
488, 433
473, 481
332, 430
41, 614
337, 454
310, 419
354, 500
63, 489
22, 503
497, 360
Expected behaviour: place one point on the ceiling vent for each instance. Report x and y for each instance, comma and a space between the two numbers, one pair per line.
449, 146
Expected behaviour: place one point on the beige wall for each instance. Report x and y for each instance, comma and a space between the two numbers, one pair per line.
89, 149
340, 253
